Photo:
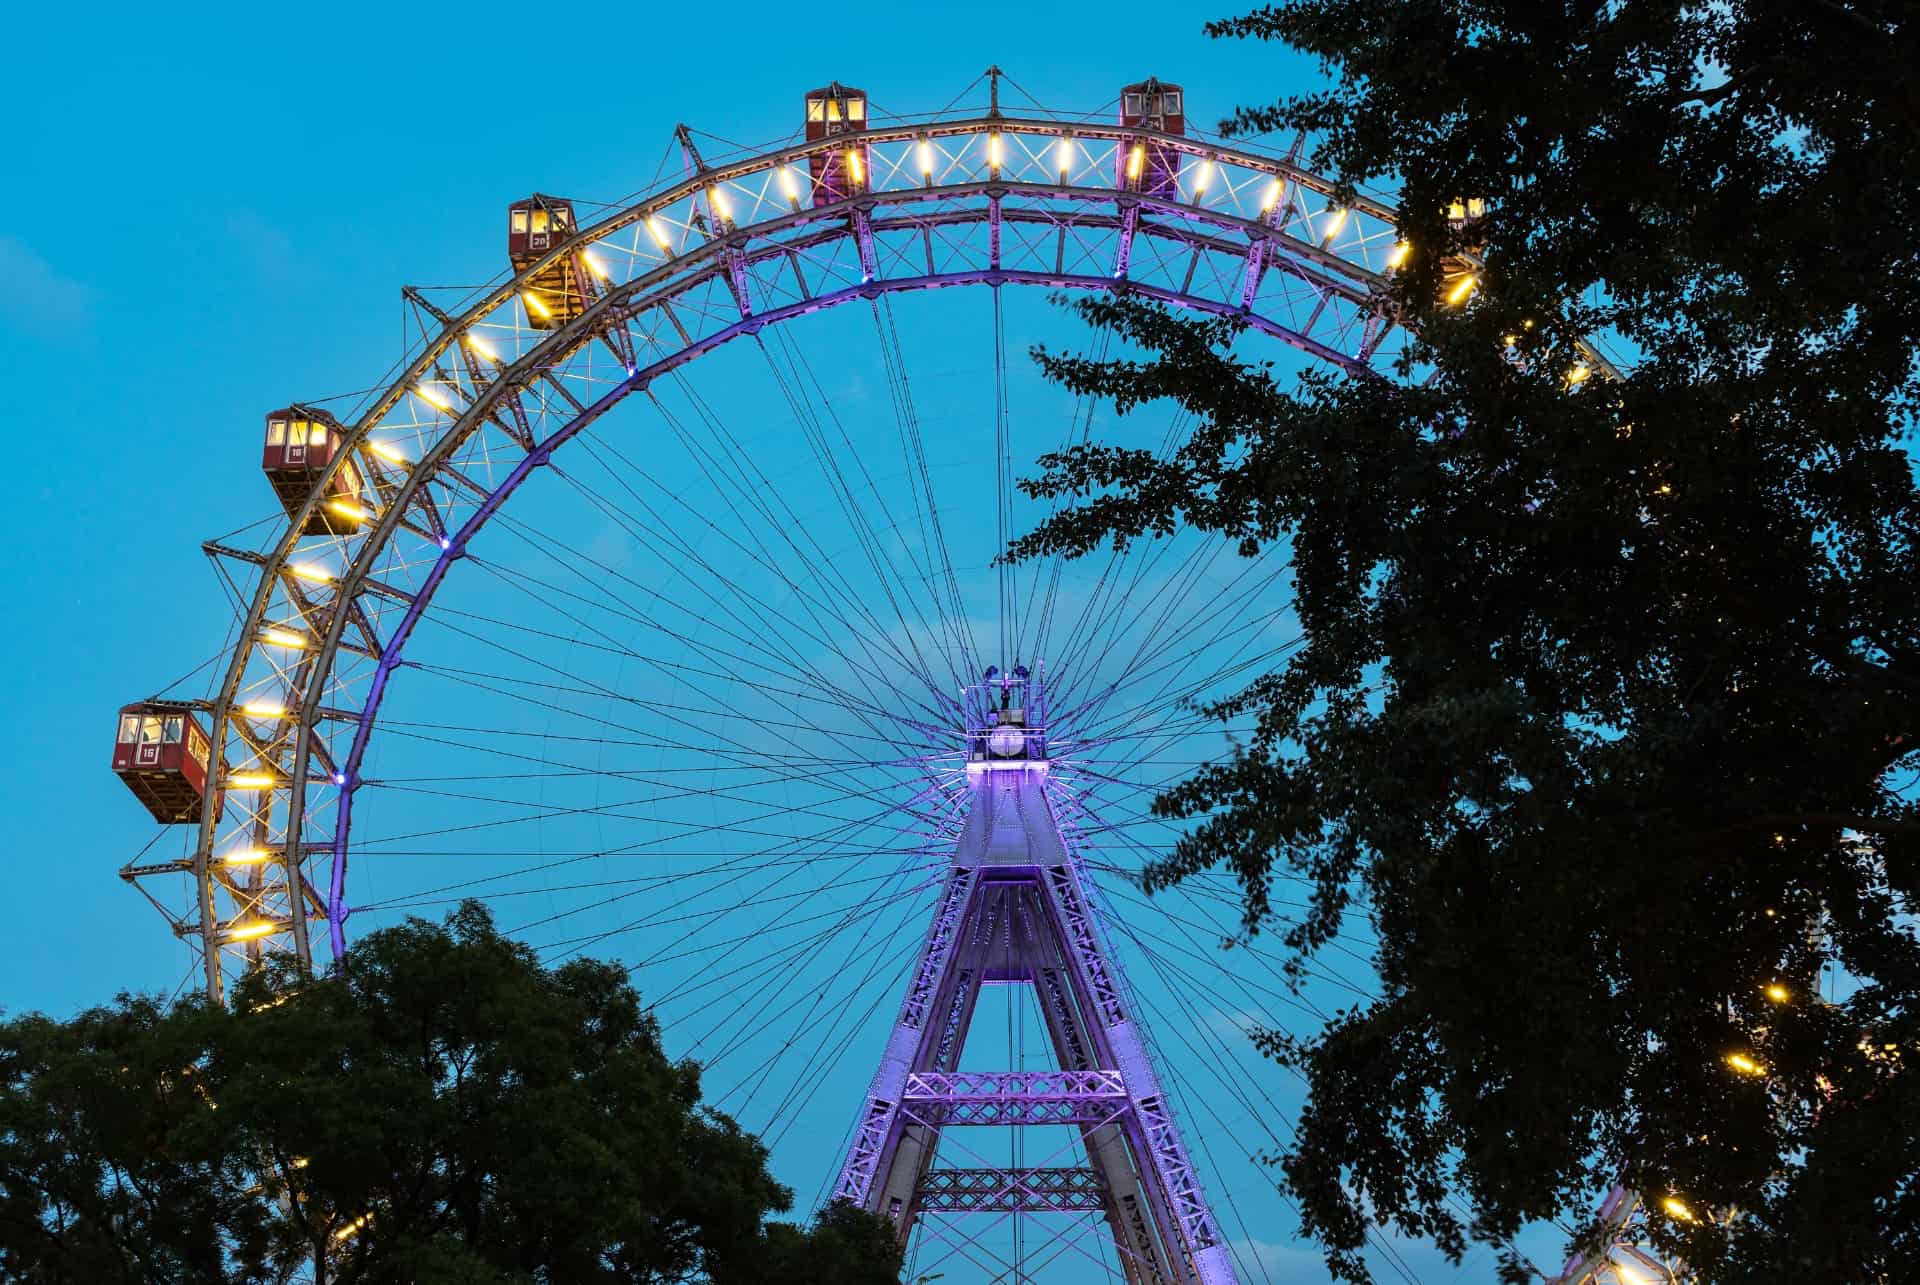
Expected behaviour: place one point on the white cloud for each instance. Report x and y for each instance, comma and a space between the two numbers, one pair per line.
268, 249
1288, 1261
37, 297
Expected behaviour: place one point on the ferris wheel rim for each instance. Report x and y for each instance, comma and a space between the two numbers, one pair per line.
587, 327
543, 452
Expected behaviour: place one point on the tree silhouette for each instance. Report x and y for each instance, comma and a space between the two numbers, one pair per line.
443, 1107
1605, 719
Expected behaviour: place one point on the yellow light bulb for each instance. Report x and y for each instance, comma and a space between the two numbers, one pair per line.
283, 638
926, 157
484, 349
1778, 993
1401, 250
1744, 1064
1274, 192
247, 857
307, 571
264, 709
535, 305
789, 185
658, 233
246, 932
250, 781
1136, 160
1458, 295
433, 397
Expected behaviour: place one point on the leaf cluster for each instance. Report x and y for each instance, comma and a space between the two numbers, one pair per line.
442, 1108
1606, 715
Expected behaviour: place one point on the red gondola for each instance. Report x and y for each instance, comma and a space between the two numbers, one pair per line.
844, 171
562, 290
1148, 167
301, 442
162, 754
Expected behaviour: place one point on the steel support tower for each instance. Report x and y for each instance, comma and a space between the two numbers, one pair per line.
1014, 910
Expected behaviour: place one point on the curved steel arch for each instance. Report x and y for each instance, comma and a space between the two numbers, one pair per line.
967, 200
337, 909
1310, 277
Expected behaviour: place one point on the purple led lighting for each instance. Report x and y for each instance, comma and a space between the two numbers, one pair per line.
1014, 865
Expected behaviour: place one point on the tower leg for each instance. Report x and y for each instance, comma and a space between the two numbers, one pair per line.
1013, 910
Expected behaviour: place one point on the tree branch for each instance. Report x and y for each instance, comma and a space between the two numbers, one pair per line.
1844, 820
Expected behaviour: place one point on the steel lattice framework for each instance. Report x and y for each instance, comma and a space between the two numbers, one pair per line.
968, 198
1014, 910
1001, 1190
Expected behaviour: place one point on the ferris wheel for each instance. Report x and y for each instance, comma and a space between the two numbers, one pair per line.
654, 602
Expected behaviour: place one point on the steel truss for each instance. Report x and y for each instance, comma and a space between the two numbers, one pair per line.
964, 198
1622, 1255
1014, 911
974, 1191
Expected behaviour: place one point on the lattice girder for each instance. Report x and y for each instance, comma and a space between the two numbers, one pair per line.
1056, 1190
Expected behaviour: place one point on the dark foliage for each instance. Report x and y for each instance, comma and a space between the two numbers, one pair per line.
443, 1109
1607, 712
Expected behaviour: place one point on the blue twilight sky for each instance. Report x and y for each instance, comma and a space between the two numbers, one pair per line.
211, 211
